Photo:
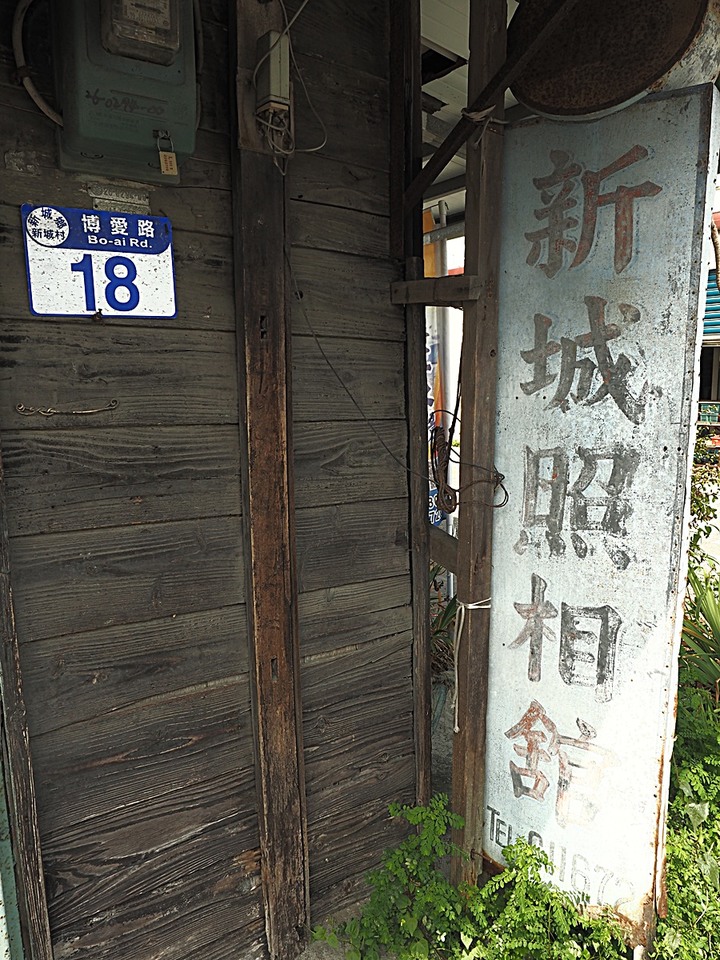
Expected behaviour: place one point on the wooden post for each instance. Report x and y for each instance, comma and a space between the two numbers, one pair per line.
488, 25
406, 244
263, 359
20, 782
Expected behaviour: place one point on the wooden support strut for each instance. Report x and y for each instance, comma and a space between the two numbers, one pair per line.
490, 93
263, 347
437, 291
488, 24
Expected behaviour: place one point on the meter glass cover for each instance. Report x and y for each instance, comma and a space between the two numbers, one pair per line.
142, 29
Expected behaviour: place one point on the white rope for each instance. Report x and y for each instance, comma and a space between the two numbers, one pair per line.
459, 624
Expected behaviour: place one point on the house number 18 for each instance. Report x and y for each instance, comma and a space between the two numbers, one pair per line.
120, 291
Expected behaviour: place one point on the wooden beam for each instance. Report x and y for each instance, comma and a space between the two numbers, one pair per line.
488, 20
436, 131
445, 188
19, 778
264, 375
443, 549
490, 93
406, 237
437, 291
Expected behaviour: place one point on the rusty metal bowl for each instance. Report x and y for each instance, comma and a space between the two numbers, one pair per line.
610, 53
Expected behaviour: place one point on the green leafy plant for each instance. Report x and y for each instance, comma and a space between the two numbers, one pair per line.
416, 913
691, 930
701, 630
443, 611
704, 490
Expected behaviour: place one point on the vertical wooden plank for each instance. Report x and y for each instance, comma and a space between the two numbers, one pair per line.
263, 338
20, 783
488, 25
406, 241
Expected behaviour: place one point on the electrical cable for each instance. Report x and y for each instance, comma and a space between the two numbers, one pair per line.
278, 130
304, 86
493, 476
286, 29
21, 64
23, 70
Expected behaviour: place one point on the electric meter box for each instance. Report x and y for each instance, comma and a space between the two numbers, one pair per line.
127, 85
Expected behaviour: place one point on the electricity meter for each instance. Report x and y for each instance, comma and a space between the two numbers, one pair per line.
147, 30
127, 85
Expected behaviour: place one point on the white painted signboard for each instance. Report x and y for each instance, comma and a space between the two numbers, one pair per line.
96, 262
603, 225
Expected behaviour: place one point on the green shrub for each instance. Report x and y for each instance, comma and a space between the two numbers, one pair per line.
705, 488
691, 930
700, 654
415, 912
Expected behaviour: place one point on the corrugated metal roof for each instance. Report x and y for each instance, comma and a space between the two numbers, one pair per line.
711, 320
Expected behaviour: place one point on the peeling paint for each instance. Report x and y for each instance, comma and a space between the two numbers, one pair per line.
600, 285
22, 161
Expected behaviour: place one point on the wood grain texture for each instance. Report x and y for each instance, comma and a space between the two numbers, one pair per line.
342, 295
332, 228
488, 22
333, 183
343, 543
406, 242
344, 33
346, 703
443, 549
345, 462
353, 107
132, 626
18, 769
74, 678
373, 373
95, 776
437, 291
213, 926
264, 374
161, 824
72, 582
157, 376
358, 723
79, 479
335, 617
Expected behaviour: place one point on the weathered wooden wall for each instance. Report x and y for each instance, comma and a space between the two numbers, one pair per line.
126, 533
127, 567
352, 506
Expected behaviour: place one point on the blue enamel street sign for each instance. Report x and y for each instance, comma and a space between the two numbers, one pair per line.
98, 262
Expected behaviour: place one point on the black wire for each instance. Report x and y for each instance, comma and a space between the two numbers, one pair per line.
494, 476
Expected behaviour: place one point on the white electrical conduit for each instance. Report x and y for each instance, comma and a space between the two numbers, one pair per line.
21, 64
24, 73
